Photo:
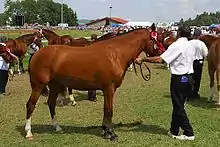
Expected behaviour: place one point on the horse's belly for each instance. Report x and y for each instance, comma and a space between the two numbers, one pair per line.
78, 83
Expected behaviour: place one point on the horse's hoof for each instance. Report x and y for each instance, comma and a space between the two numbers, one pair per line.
30, 138
73, 103
60, 131
217, 104
114, 138
107, 136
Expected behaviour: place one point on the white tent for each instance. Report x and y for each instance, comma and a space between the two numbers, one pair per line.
138, 23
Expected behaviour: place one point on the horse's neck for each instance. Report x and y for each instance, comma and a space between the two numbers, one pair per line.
50, 36
27, 42
131, 49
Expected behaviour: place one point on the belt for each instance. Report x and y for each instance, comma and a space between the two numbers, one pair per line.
173, 75
199, 60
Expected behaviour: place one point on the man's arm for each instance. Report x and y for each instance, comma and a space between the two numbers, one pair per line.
156, 59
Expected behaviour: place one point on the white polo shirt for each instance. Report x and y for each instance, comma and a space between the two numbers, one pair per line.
3, 64
200, 49
180, 57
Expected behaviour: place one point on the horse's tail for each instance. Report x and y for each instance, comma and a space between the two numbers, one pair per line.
45, 92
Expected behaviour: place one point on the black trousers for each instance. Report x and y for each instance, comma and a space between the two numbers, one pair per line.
197, 66
3, 80
180, 87
92, 94
31, 55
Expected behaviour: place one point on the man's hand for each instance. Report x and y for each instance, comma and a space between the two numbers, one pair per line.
138, 60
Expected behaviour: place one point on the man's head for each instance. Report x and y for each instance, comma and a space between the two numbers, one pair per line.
184, 31
197, 33
153, 27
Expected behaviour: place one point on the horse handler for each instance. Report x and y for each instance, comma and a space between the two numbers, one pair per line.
3, 75
179, 56
201, 52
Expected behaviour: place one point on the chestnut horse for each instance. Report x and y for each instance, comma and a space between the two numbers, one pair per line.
19, 46
54, 38
213, 44
59, 71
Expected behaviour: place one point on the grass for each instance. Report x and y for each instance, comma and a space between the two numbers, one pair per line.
135, 100
75, 33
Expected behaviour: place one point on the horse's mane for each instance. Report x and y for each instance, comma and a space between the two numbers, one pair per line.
131, 31
51, 32
25, 36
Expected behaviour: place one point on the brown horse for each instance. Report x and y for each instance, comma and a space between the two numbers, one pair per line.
19, 46
54, 38
59, 71
213, 44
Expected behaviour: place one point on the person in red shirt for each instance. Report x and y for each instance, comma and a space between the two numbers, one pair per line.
157, 42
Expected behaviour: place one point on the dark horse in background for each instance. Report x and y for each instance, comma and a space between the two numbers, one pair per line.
213, 44
59, 71
19, 46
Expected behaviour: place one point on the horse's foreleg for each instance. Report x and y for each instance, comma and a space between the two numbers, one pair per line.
218, 84
29, 110
108, 113
211, 76
70, 92
52, 104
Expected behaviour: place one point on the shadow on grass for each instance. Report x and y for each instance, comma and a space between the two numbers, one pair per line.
202, 103
95, 130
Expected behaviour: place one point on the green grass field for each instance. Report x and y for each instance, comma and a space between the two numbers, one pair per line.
75, 33
135, 100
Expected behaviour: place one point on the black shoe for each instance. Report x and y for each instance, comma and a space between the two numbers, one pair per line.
93, 99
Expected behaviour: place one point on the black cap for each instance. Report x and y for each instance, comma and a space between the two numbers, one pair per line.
197, 32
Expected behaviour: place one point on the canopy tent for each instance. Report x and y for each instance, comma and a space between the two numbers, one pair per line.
214, 26
138, 23
116, 25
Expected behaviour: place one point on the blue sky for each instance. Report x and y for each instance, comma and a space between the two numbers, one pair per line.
140, 10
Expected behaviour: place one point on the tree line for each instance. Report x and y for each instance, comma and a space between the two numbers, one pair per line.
37, 11
204, 19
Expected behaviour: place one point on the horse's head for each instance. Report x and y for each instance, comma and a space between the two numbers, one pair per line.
208, 39
6, 54
39, 33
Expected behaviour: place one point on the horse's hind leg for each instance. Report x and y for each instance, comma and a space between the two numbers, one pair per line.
218, 84
30, 105
70, 91
21, 65
108, 113
55, 89
211, 76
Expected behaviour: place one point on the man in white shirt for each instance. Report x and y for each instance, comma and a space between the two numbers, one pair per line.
201, 51
180, 57
3, 74
33, 48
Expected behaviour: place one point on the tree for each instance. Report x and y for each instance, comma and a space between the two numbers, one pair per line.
39, 11
204, 19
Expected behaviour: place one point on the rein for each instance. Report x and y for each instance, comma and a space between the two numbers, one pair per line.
146, 77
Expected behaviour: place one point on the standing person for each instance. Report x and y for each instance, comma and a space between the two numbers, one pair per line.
156, 37
3, 74
201, 51
33, 48
179, 56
